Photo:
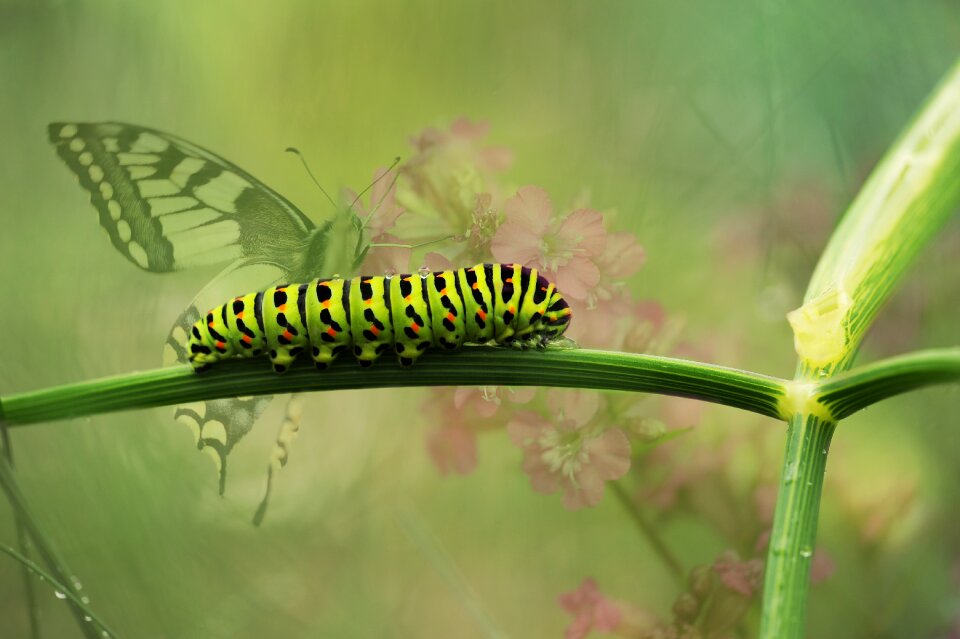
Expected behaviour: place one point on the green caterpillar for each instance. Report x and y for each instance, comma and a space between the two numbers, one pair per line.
503, 303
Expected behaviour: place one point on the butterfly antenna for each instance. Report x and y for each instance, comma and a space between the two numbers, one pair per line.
303, 160
396, 161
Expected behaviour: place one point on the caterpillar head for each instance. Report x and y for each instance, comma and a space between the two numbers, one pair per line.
557, 317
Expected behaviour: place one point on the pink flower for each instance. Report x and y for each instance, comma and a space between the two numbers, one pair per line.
464, 412
744, 577
386, 259
445, 180
563, 248
590, 610
378, 218
382, 213
453, 449
562, 453
621, 258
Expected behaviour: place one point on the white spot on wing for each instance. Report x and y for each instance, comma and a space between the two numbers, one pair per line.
140, 172
106, 190
179, 222
123, 230
76, 145
187, 167
179, 335
137, 158
214, 429
96, 173
85, 158
222, 191
157, 188
138, 254
68, 131
114, 208
148, 142
169, 355
164, 205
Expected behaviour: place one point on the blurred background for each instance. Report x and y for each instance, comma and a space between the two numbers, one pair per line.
727, 137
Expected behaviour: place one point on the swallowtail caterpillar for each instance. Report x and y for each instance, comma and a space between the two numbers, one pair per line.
508, 304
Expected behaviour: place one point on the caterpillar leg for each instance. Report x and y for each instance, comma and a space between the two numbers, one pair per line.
282, 357
324, 354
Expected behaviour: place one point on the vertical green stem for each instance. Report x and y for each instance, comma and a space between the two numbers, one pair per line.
795, 527
648, 531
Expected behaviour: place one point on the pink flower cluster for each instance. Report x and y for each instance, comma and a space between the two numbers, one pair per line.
572, 442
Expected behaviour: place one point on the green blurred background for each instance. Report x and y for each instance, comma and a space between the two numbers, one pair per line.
727, 135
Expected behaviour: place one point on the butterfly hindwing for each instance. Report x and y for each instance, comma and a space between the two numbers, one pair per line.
168, 204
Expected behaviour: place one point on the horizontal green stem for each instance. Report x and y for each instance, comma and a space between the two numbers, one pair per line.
847, 393
476, 366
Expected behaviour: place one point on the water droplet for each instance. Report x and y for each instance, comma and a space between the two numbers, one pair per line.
87, 618
59, 594
389, 273
424, 272
105, 634
806, 553
85, 599
336, 276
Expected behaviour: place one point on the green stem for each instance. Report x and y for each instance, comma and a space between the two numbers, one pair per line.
648, 531
847, 393
477, 366
794, 534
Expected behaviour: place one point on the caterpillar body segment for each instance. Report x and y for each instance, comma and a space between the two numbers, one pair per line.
371, 315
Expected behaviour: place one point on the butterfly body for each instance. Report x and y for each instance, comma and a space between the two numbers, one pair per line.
371, 315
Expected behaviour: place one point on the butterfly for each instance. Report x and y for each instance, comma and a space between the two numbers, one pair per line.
168, 205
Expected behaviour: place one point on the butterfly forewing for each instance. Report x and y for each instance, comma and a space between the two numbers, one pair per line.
168, 204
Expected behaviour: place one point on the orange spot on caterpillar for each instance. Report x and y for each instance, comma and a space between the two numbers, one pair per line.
221, 345
451, 317
513, 309
476, 285
287, 335
415, 327
210, 325
247, 339
443, 291
325, 304
374, 330
331, 332
408, 298
282, 307
369, 302
240, 315
509, 279
482, 313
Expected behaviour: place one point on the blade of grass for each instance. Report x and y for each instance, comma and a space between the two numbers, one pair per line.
59, 587
47, 551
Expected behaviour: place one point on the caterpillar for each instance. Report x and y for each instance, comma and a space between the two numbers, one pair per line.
508, 304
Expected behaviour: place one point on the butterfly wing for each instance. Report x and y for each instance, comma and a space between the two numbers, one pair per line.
168, 204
